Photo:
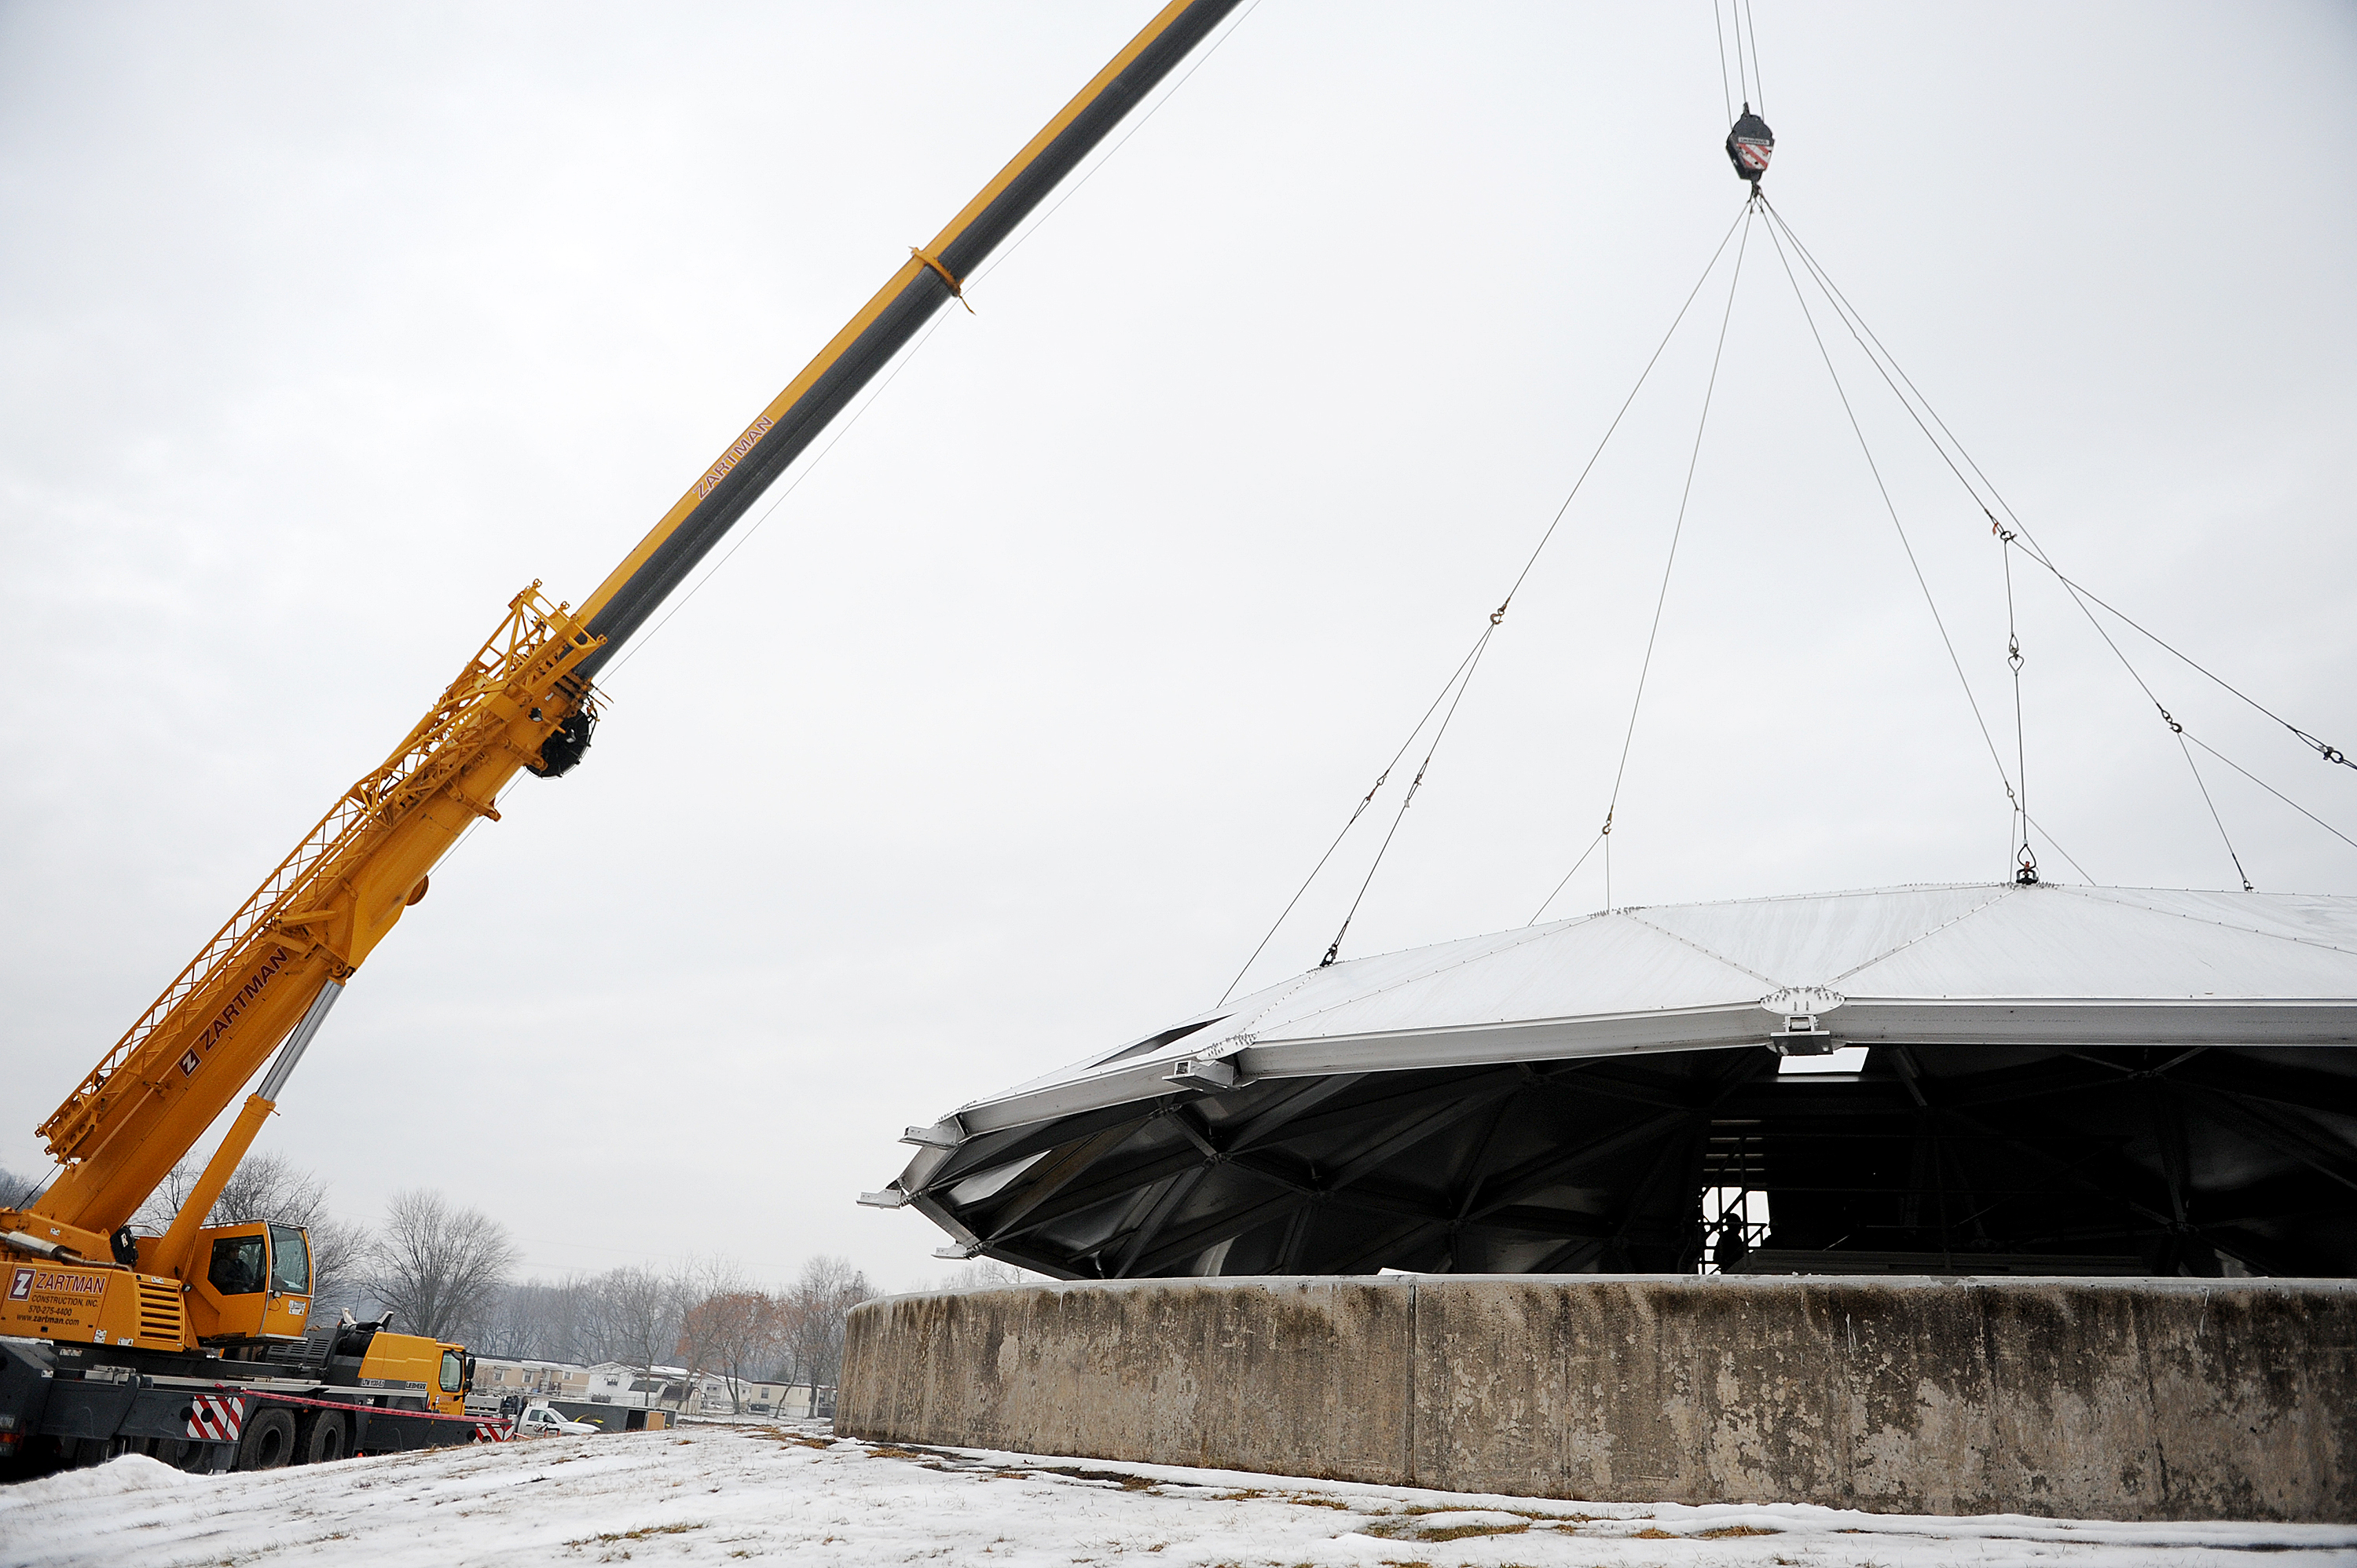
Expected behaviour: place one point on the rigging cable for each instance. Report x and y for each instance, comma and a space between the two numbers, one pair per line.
1200, 61
1742, 82
1887, 364
1726, 98
1677, 531
2271, 790
1358, 810
746, 535
2025, 859
1334, 950
1566, 880
1473, 654
1855, 321
1933, 605
2200, 783
1759, 88
1877, 353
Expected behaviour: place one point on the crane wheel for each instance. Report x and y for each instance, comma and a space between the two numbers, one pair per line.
321, 1438
269, 1440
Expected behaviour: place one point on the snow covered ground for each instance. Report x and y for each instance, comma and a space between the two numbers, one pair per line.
713, 1494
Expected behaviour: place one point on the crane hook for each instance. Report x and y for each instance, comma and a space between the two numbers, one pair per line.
1750, 145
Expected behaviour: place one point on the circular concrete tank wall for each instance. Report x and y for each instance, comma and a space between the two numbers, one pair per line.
2076, 1398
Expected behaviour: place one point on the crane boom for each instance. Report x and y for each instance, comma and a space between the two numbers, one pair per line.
525, 702
930, 279
313, 921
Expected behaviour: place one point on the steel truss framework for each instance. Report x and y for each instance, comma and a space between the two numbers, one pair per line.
2175, 1160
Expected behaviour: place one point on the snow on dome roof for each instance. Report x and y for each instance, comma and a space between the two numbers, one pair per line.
1938, 981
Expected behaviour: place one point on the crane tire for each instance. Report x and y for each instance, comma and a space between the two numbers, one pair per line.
321, 1438
269, 1440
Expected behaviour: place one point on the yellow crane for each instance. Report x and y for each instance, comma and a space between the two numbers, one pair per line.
110, 1306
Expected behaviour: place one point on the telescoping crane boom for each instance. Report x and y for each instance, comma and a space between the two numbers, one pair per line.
526, 701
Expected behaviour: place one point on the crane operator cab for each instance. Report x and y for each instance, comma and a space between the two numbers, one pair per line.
255, 1283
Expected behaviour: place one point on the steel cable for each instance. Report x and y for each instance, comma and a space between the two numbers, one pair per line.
1877, 353
1358, 810
1497, 616
1759, 87
2013, 798
1334, 950
1677, 532
1894, 374
641, 640
1726, 98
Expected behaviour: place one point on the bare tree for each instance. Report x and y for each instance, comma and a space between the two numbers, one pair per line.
815, 1310
701, 1345
988, 1273
340, 1266
435, 1266
263, 1186
272, 1186
737, 1333
15, 1191
539, 1321
635, 1318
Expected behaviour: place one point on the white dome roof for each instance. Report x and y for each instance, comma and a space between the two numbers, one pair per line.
2091, 1078
1975, 963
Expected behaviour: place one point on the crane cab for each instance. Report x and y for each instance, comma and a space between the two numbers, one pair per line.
437, 1374
250, 1282
410, 1371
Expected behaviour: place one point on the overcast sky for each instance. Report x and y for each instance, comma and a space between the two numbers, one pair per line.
325, 329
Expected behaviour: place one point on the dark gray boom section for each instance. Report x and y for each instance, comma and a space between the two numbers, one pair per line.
929, 279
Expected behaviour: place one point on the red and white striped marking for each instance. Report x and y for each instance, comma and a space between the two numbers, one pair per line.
1753, 155
216, 1418
494, 1431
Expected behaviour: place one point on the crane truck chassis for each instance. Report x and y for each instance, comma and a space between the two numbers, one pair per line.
67, 1404
197, 1347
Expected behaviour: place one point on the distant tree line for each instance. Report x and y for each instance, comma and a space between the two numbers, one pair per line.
705, 1317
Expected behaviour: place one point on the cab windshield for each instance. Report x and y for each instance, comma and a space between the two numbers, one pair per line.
290, 1261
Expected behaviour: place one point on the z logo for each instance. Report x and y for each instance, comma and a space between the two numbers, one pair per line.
22, 1286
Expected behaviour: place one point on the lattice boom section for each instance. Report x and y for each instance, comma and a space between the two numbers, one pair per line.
533, 641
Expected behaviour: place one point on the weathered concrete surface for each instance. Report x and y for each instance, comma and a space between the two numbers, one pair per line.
2101, 1398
